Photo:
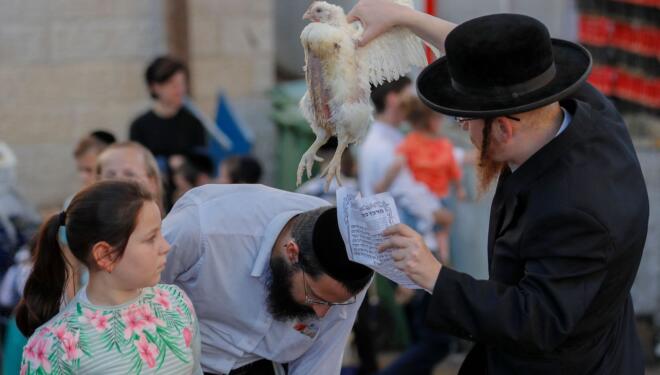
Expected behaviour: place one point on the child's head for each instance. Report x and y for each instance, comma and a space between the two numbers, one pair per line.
387, 99
86, 154
421, 117
112, 227
167, 80
196, 170
130, 161
240, 170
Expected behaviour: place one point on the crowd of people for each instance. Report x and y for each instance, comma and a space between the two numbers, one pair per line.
165, 155
164, 262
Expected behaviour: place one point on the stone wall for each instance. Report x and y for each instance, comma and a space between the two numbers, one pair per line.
71, 66
236, 55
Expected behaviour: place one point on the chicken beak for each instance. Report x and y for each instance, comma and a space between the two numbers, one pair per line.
308, 15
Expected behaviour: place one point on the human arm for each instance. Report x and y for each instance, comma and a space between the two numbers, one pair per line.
182, 230
565, 260
391, 175
197, 351
378, 16
195, 339
461, 193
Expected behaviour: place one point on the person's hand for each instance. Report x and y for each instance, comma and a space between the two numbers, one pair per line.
411, 255
443, 217
403, 295
461, 194
376, 16
176, 161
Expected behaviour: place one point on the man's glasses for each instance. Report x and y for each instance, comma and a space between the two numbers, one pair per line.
463, 121
315, 301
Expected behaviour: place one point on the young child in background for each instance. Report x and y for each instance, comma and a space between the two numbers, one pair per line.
239, 169
196, 169
122, 321
133, 162
86, 154
430, 158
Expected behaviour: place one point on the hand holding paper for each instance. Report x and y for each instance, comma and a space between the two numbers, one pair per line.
362, 222
411, 255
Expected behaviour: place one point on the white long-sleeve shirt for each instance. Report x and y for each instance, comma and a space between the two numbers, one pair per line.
222, 237
375, 156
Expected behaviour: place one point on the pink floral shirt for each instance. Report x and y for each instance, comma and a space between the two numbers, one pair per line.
156, 333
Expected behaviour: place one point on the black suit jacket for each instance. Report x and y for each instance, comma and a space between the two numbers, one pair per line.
566, 235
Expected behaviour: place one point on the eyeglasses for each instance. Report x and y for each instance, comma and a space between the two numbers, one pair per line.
464, 120
315, 301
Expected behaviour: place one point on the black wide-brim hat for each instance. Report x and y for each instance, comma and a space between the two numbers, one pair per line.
499, 65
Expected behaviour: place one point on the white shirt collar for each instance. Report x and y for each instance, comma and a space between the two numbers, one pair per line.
565, 122
270, 236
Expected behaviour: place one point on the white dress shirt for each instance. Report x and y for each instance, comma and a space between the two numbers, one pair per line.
222, 237
375, 156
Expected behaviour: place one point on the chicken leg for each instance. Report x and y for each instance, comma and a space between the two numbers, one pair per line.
333, 170
308, 158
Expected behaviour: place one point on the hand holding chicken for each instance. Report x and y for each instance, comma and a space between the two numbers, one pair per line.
339, 74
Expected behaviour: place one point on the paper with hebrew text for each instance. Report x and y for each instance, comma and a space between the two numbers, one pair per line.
361, 223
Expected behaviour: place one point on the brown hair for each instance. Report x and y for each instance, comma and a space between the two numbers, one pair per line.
149, 161
379, 93
88, 144
417, 113
160, 70
106, 211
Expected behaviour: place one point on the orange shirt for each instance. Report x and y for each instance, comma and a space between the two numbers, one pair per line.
431, 161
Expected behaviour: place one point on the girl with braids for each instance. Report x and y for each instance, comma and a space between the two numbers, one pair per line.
123, 321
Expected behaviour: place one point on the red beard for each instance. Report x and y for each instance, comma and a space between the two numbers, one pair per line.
487, 171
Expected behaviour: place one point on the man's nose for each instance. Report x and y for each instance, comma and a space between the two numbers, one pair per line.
320, 310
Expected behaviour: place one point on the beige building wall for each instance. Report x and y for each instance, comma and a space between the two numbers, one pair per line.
71, 66
231, 48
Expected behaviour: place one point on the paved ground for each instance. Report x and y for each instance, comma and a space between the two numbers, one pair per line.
451, 365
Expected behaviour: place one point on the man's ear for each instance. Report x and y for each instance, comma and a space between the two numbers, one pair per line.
104, 256
502, 130
292, 251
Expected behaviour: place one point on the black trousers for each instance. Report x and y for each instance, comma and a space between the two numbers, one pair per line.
260, 367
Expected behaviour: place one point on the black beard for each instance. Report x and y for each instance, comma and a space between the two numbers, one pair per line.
281, 304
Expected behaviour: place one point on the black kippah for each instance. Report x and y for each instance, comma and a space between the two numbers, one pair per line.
330, 250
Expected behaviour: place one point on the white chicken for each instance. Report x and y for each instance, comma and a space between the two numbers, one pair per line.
339, 74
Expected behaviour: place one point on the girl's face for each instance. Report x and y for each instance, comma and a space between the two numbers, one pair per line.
127, 164
145, 255
85, 164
